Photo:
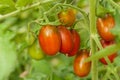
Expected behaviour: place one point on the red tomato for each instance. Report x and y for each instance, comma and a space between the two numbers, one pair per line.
76, 43
66, 40
49, 39
112, 56
67, 17
80, 68
104, 25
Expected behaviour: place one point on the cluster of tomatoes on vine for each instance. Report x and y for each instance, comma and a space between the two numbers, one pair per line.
66, 40
104, 27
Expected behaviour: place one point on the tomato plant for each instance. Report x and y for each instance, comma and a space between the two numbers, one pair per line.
49, 35
80, 68
110, 57
67, 17
60, 26
66, 39
76, 43
104, 26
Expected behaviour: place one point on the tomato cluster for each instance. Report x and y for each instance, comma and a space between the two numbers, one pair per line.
104, 27
66, 40
59, 38
54, 39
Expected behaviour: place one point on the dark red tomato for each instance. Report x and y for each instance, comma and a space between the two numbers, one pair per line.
66, 40
49, 39
67, 17
104, 25
80, 68
76, 43
110, 57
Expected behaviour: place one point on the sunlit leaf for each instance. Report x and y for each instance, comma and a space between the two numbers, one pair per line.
23, 3
6, 6
42, 66
8, 57
7, 2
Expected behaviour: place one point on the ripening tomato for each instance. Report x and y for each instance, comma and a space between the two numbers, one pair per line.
81, 68
49, 39
35, 52
104, 25
67, 17
66, 39
110, 57
76, 43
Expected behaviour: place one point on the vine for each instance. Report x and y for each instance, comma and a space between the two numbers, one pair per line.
92, 43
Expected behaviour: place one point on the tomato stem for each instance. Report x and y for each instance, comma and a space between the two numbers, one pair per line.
104, 52
23, 9
95, 37
106, 75
115, 74
93, 31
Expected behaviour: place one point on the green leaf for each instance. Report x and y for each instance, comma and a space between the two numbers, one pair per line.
55, 77
116, 29
83, 30
23, 3
6, 6
41, 70
117, 61
42, 66
7, 2
8, 57
117, 0
6, 9
82, 3
101, 10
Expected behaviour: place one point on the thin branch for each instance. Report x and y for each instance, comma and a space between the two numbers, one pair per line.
23, 9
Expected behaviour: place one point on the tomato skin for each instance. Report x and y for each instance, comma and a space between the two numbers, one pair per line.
76, 43
67, 17
110, 57
35, 52
80, 68
104, 25
66, 40
49, 39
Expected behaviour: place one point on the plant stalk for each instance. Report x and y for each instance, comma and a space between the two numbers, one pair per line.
104, 52
93, 31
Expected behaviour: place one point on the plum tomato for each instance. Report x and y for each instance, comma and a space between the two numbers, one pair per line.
49, 39
110, 57
67, 17
76, 43
104, 26
81, 68
66, 39
35, 52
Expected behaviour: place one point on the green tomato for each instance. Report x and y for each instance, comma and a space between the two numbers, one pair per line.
35, 51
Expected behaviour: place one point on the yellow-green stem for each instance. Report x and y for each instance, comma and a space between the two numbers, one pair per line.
93, 31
